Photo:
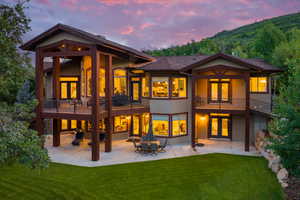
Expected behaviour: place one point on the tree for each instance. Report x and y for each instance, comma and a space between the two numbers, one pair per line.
15, 66
286, 122
267, 39
18, 143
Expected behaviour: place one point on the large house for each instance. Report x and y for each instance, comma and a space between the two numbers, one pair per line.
86, 81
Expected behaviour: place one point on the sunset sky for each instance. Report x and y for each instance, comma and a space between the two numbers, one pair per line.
145, 24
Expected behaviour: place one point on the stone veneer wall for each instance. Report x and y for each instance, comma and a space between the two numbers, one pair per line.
261, 142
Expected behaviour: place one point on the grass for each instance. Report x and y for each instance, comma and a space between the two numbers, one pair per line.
211, 176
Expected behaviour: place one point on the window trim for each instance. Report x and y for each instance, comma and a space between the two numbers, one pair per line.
170, 131
257, 76
170, 87
78, 82
209, 100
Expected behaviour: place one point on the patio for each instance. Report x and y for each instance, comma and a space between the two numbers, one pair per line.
123, 151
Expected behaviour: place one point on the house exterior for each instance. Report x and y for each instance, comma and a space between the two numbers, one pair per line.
86, 81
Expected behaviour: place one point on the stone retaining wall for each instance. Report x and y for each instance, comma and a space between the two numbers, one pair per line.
261, 142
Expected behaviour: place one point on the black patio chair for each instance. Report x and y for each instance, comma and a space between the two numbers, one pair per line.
162, 147
153, 148
137, 147
145, 148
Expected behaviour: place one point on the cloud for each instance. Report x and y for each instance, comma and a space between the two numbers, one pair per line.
154, 23
127, 30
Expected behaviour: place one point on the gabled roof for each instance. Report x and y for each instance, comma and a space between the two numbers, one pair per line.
255, 64
185, 63
96, 39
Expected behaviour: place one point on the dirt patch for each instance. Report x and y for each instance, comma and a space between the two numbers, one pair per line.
293, 190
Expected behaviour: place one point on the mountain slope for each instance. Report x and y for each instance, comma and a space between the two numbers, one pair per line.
227, 40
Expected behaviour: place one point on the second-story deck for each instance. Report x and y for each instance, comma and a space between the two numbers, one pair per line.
84, 107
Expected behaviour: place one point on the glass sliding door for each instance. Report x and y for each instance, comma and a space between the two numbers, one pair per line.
69, 87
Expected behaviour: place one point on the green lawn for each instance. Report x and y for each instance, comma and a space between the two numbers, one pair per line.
212, 176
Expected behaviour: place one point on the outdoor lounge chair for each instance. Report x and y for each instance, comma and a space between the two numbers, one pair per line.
162, 147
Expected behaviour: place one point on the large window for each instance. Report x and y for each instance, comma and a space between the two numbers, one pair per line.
101, 82
121, 123
160, 125
179, 124
219, 90
68, 124
146, 86
145, 123
160, 87
120, 82
169, 124
259, 84
179, 87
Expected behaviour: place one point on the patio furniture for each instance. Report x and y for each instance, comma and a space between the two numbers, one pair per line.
102, 137
137, 147
78, 137
162, 147
145, 148
153, 148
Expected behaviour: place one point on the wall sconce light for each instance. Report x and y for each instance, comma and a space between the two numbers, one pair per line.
202, 118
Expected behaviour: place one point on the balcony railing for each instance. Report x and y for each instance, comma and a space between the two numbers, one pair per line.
234, 104
85, 106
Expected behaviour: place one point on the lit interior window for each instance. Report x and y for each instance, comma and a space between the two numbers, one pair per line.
145, 122
89, 82
64, 124
73, 124
120, 82
102, 125
179, 125
136, 125
179, 87
145, 86
219, 90
160, 125
160, 87
258, 84
101, 82
121, 123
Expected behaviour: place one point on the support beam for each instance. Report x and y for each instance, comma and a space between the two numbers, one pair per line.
247, 112
108, 96
55, 78
95, 105
56, 132
39, 91
193, 139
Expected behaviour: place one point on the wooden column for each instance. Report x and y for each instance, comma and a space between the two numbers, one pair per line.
39, 82
247, 112
95, 105
56, 132
193, 112
55, 77
108, 96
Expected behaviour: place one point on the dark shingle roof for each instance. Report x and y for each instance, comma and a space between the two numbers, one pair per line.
177, 63
172, 63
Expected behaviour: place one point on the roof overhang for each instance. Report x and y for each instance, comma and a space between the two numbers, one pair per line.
97, 40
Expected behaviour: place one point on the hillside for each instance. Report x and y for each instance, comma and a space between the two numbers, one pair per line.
227, 40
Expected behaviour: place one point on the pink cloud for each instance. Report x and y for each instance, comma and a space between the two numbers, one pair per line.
146, 25
127, 30
188, 13
70, 4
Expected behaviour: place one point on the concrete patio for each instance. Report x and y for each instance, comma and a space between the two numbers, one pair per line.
123, 151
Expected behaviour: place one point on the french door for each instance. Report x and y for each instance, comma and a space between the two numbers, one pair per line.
220, 126
135, 90
219, 91
69, 88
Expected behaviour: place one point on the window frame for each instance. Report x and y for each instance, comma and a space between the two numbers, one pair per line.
267, 85
219, 82
78, 89
170, 78
170, 124
127, 80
